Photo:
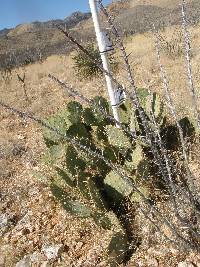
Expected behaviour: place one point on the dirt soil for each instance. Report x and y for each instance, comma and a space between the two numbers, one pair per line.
31, 220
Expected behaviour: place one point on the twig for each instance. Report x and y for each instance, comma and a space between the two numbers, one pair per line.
154, 135
114, 167
188, 54
173, 112
90, 102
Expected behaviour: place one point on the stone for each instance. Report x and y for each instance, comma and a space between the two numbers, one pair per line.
36, 257
4, 223
52, 251
25, 262
153, 262
185, 264
45, 264
79, 245
2, 260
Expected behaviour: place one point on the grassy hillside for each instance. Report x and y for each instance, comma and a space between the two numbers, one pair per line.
41, 40
34, 218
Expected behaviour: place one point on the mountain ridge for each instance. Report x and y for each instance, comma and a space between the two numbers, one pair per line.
28, 43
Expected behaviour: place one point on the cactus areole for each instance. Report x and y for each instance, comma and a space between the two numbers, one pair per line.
105, 45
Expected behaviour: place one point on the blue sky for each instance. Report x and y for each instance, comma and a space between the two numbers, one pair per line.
14, 12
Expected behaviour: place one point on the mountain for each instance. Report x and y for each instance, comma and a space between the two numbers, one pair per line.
27, 43
4, 32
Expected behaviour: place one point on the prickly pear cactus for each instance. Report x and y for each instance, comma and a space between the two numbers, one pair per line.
75, 112
135, 157
117, 137
58, 122
116, 187
152, 107
85, 185
117, 249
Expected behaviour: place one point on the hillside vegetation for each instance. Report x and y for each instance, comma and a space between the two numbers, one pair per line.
30, 42
31, 220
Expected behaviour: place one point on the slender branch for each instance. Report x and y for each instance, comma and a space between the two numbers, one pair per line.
82, 48
156, 135
173, 112
92, 103
115, 168
188, 54
132, 82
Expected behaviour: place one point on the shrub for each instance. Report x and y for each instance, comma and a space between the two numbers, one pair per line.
86, 67
172, 46
87, 186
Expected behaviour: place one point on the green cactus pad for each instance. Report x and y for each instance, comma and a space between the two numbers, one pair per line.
73, 162
75, 111
116, 185
100, 103
117, 249
135, 197
111, 153
135, 158
68, 180
143, 170
58, 123
72, 206
89, 117
142, 94
157, 108
117, 137
125, 112
57, 153
96, 196
80, 132
102, 220
83, 185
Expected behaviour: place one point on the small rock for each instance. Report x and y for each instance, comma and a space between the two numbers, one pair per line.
2, 260
25, 262
185, 264
3, 220
153, 263
79, 245
157, 252
36, 257
45, 264
4, 223
25, 231
52, 251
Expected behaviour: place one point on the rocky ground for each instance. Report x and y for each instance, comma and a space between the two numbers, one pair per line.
34, 229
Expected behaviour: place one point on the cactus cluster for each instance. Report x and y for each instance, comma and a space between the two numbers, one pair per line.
86, 186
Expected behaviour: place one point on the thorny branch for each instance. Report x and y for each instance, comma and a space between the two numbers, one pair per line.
156, 134
188, 54
131, 79
93, 153
173, 112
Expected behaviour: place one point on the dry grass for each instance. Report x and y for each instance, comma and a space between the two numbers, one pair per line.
45, 98
146, 68
160, 3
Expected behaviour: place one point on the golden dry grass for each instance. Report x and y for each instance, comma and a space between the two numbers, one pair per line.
46, 97
146, 69
160, 3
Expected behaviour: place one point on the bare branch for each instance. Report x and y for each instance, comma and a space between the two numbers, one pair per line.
173, 112
188, 54
93, 153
